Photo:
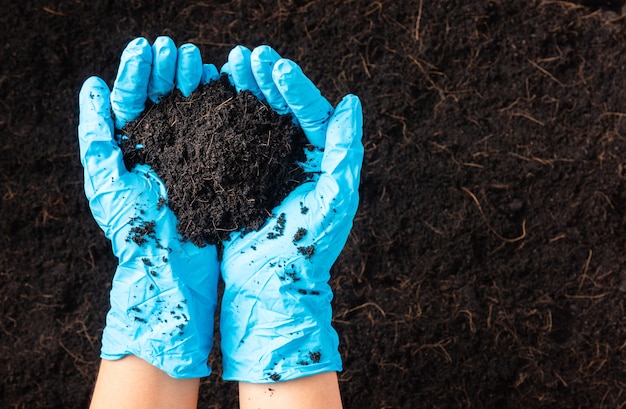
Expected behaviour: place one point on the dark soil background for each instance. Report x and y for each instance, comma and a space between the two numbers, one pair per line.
487, 265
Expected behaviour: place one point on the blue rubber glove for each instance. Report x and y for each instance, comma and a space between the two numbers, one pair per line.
164, 291
276, 309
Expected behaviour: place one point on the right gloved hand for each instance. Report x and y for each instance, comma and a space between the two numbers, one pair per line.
276, 310
164, 291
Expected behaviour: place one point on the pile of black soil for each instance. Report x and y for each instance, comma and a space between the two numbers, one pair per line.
226, 158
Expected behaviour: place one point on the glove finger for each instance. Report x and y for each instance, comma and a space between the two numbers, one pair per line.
163, 68
343, 156
239, 65
189, 69
305, 101
209, 73
262, 62
130, 89
99, 153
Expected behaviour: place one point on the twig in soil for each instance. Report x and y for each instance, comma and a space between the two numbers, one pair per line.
54, 12
546, 72
224, 103
566, 4
136, 126
365, 64
418, 20
529, 117
367, 304
620, 115
441, 91
231, 229
545, 162
77, 358
403, 122
586, 297
441, 346
482, 213
585, 271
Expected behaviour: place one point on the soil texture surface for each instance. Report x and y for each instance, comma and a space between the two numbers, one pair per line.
487, 263
226, 158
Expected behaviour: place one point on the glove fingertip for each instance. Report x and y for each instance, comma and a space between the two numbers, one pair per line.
239, 67
343, 155
345, 127
94, 100
241, 71
264, 53
209, 73
138, 42
262, 63
164, 55
350, 104
99, 154
188, 69
90, 84
239, 52
304, 99
131, 85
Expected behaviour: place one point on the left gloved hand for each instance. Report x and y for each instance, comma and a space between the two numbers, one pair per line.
276, 313
165, 290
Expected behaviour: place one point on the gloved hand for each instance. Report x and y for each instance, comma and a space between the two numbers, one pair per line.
164, 291
276, 313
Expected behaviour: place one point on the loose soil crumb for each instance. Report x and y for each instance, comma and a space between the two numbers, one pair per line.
299, 234
226, 158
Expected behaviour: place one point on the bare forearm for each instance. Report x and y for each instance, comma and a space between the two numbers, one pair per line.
133, 383
312, 392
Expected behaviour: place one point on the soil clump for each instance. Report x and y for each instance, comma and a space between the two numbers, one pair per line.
225, 157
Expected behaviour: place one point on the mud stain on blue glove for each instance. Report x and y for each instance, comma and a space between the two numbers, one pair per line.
279, 228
